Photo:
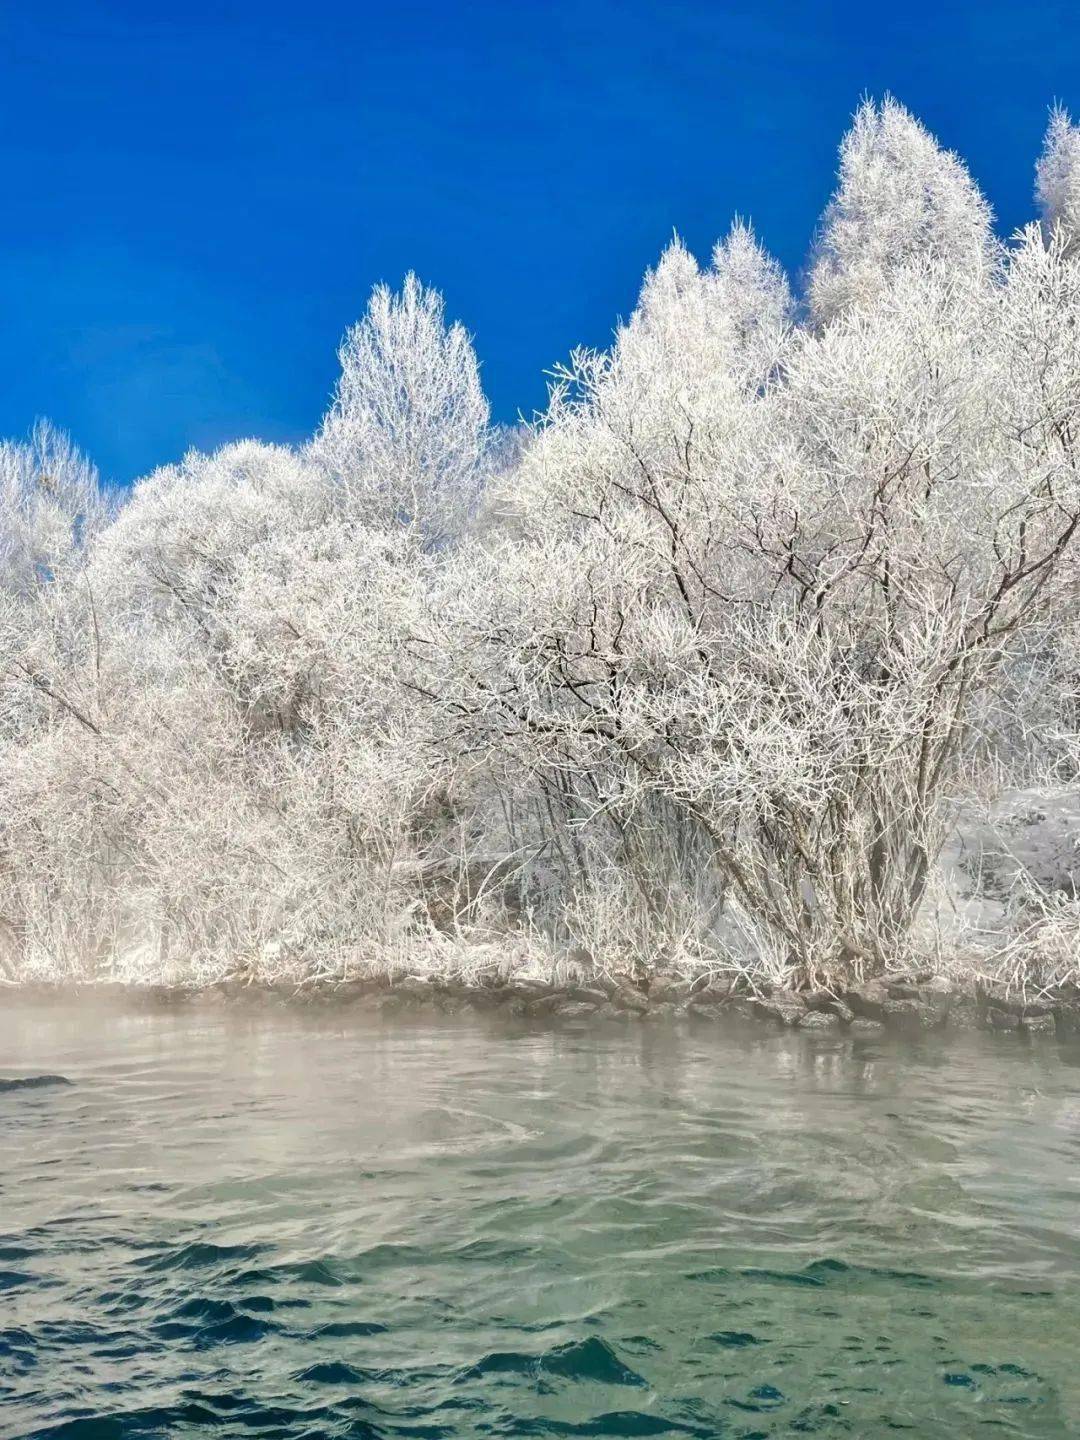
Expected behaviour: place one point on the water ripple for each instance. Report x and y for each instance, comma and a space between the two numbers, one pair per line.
315, 1227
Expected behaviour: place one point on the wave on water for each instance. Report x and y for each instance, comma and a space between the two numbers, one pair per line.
32, 1082
262, 1228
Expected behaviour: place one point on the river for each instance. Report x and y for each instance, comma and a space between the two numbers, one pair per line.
309, 1223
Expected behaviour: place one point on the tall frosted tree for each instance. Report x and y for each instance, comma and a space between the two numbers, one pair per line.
406, 435
51, 505
900, 198
52, 512
1057, 181
754, 289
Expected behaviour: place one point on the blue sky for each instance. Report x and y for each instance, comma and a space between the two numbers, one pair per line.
199, 197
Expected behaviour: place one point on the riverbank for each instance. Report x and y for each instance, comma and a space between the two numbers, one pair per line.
909, 1003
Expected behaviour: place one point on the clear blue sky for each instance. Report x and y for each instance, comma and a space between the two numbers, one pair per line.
199, 196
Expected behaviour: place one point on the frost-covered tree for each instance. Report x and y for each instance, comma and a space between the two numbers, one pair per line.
754, 612
53, 510
186, 527
1057, 180
900, 198
51, 507
755, 292
738, 628
406, 436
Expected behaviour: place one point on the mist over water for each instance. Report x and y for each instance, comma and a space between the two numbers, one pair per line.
308, 1224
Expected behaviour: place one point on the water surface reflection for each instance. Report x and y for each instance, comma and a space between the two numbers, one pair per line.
314, 1224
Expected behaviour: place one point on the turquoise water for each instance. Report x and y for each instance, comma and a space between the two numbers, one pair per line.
296, 1224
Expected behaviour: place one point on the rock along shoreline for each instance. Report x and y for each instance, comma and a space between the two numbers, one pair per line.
909, 1003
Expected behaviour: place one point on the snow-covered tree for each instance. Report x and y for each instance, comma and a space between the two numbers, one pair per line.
738, 625
1057, 180
51, 507
900, 198
186, 527
755, 291
406, 436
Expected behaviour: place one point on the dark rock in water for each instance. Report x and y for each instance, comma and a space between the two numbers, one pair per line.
707, 1012
867, 1000
1039, 1025
861, 1026
544, 1004
964, 1014
709, 995
941, 984
783, 1005
785, 997
903, 990
669, 988
587, 996
535, 988
938, 999
825, 1001
1003, 1020
574, 1010
481, 997
629, 998
33, 1082
1068, 1017
996, 997
772, 1010
818, 999
1033, 1008
819, 1020
910, 1016
906, 1002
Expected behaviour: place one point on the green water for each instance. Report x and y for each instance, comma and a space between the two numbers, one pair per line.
302, 1224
